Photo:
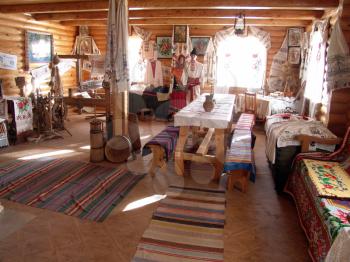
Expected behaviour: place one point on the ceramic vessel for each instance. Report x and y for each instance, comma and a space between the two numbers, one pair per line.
208, 104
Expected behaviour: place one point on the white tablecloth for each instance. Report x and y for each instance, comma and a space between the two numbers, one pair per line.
268, 105
194, 114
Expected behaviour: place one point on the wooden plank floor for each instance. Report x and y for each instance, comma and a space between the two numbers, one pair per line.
260, 226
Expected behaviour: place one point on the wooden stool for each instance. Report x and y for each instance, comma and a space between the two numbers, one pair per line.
240, 177
158, 159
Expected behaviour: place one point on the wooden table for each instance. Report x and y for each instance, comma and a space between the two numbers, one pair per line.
218, 121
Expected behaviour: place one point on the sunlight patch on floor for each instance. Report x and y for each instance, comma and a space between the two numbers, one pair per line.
47, 154
143, 202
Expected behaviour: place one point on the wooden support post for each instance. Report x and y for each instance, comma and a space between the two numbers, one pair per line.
117, 101
179, 154
220, 152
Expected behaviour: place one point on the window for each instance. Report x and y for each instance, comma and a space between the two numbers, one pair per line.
241, 63
136, 64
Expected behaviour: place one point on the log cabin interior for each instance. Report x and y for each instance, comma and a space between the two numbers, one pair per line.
174, 130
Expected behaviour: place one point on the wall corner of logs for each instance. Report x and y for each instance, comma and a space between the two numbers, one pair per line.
12, 41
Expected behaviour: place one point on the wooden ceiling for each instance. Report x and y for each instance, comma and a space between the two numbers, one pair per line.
166, 12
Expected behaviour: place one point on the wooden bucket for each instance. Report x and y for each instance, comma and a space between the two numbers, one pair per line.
96, 126
97, 154
96, 141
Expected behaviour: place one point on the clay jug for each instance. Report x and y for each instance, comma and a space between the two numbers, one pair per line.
208, 104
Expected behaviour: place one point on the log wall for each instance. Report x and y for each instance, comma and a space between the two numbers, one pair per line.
12, 41
277, 36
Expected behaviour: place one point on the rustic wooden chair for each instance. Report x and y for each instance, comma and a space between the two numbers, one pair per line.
339, 155
250, 103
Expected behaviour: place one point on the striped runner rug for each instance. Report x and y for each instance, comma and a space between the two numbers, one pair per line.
74, 188
188, 225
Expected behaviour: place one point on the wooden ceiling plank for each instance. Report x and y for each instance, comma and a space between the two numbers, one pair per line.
166, 4
188, 13
194, 21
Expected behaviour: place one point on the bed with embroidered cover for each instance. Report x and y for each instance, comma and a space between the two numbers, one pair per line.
320, 186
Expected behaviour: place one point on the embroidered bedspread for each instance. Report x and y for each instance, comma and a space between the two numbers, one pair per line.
322, 219
329, 179
333, 211
281, 134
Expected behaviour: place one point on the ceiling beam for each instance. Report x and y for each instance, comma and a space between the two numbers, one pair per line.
166, 4
193, 21
188, 13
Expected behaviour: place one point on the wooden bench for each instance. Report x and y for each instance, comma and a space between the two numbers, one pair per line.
239, 160
162, 146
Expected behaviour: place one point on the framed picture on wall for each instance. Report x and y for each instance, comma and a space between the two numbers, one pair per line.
294, 55
200, 43
164, 47
180, 33
294, 36
38, 47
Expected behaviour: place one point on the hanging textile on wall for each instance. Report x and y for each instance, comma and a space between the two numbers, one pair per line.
116, 63
23, 110
276, 81
283, 75
143, 34
304, 46
316, 64
147, 49
8, 61
97, 65
338, 58
209, 63
148, 46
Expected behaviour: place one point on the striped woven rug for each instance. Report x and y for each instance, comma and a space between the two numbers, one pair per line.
75, 188
188, 225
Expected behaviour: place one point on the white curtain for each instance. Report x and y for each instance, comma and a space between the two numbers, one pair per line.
241, 63
232, 62
116, 64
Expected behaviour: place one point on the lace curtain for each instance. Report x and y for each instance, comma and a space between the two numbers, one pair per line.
257, 61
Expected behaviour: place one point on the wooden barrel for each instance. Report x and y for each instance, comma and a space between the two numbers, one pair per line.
96, 141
